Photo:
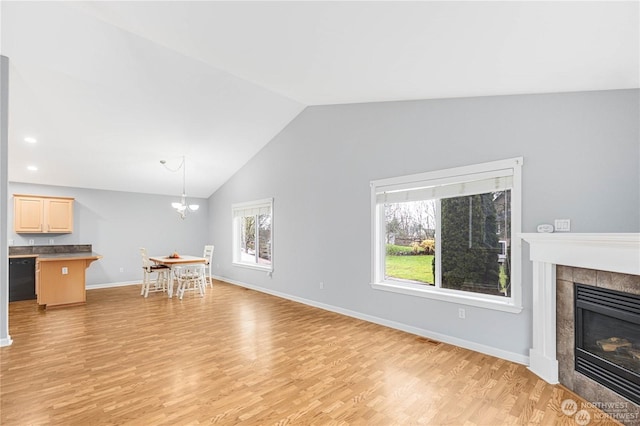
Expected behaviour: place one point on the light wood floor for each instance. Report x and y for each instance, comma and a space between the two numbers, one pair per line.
242, 357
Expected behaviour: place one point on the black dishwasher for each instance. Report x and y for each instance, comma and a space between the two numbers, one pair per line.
22, 279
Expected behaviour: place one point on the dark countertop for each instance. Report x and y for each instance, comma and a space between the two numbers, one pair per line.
52, 253
68, 256
48, 257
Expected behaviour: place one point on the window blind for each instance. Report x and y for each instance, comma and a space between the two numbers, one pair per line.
449, 187
253, 210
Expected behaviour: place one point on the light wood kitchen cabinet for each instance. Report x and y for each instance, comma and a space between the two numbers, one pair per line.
60, 279
37, 277
62, 282
42, 214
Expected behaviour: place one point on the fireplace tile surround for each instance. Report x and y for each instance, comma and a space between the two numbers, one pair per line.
609, 261
592, 391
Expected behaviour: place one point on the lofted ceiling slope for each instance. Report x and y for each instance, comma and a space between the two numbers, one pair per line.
110, 88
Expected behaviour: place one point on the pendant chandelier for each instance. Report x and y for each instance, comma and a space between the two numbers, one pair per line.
182, 207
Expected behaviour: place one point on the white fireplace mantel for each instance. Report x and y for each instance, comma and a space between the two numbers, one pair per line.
605, 252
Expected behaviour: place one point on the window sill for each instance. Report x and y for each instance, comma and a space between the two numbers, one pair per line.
479, 301
254, 266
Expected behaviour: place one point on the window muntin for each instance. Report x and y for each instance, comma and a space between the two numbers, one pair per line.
460, 224
252, 234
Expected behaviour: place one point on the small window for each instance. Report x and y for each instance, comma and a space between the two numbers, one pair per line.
252, 234
449, 235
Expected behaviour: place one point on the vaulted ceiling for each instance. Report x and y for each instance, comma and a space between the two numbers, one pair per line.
109, 89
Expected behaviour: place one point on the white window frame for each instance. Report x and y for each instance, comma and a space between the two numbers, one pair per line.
428, 180
236, 209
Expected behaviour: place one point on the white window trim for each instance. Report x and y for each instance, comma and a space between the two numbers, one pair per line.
511, 304
236, 233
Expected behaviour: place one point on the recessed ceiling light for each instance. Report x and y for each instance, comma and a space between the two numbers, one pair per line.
29, 139
32, 168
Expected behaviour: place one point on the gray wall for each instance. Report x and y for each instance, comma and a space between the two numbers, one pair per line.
581, 161
117, 224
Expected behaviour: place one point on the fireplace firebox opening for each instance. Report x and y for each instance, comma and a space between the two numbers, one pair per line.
607, 338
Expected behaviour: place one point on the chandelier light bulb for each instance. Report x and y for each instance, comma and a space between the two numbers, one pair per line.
182, 207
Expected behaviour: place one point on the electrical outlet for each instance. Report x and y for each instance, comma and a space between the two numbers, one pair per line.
321, 285
10, 242
65, 270
461, 313
121, 269
31, 242
50, 241
562, 225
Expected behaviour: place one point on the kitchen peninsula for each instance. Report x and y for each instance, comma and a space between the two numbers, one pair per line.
59, 273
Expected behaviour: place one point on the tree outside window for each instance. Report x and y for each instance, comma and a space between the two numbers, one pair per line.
253, 234
447, 234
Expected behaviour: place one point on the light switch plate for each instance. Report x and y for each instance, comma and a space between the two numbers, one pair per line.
563, 225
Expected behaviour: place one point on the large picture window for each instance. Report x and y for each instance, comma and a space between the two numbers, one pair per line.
450, 234
252, 234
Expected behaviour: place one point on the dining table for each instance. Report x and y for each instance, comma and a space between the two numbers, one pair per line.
172, 262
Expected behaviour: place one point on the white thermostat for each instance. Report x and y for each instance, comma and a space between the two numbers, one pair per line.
545, 227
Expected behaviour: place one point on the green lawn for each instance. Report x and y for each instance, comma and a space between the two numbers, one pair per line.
418, 268
414, 268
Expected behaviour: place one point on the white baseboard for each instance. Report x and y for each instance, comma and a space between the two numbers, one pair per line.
477, 347
108, 285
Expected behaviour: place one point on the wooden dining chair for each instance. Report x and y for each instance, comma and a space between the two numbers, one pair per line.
149, 268
208, 254
189, 277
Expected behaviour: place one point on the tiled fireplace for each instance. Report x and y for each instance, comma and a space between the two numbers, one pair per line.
598, 265
580, 383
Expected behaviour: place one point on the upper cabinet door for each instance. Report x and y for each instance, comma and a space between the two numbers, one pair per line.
28, 214
59, 215
40, 215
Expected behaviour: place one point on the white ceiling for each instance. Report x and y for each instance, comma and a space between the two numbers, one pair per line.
110, 88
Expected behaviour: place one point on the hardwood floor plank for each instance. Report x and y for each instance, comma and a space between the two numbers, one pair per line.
238, 356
